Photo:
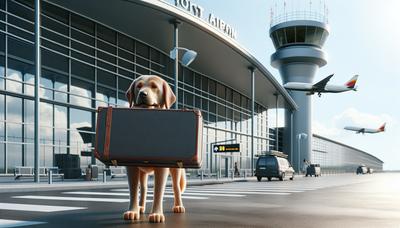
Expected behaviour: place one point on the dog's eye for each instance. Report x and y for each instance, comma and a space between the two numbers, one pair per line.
140, 85
154, 86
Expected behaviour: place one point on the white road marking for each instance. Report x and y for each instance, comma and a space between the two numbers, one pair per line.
238, 191
82, 199
219, 192
127, 194
16, 223
231, 190
226, 191
35, 207
206, 193
252, 189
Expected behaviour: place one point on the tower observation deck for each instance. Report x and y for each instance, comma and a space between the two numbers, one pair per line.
298, 37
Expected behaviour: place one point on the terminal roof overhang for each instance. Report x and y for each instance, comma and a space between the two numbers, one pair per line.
219, 56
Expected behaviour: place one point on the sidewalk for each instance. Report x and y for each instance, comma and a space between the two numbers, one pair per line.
25, 186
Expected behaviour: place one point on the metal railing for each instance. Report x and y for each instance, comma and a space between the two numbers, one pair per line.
298, 15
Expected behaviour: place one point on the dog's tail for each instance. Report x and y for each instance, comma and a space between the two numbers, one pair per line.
182, 181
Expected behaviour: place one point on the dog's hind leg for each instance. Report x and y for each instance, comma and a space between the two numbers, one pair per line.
143, 192
176, 175
133, 181
160, 179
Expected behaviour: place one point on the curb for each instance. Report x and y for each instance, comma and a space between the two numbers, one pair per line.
32, 187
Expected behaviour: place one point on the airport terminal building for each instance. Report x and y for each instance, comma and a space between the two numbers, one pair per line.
336, 157
92, 50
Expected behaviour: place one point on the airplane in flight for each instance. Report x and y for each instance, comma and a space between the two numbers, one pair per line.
359, 130
322, 86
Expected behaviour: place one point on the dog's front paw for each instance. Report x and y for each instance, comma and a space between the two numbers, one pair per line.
142, 210
178, 209
156, 218
131, 215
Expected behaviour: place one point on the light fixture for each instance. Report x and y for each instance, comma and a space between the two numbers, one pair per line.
187, 58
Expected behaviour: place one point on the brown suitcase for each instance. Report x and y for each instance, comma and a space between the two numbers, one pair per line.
149, 137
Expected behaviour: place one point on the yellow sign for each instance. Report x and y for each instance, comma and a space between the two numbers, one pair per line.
226, 148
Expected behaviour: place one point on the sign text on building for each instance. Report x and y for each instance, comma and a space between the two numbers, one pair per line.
213, 20
226, 148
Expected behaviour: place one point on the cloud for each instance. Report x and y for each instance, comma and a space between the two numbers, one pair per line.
324, 129
352, 117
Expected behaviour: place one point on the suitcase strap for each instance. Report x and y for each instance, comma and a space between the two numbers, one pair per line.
106, 153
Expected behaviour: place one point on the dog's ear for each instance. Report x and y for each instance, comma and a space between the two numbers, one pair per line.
130, 94
169, 96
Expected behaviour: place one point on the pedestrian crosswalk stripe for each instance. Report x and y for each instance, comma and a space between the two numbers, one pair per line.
247, 189
206, 193
222, 192
17, 223
244, 190
82, 199
228, 191
237, 192
127, 194
37, 208
253, 189
257, 187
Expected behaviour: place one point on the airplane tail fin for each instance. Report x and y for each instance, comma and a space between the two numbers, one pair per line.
351, 84
382, 128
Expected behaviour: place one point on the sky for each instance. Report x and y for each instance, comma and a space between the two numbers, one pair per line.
364, 39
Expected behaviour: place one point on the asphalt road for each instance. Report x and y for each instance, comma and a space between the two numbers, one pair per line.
328, 201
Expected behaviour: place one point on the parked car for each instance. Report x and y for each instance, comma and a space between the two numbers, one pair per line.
362, 169
274, 165
313, 170
370, 170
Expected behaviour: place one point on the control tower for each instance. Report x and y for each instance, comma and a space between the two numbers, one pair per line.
298, 38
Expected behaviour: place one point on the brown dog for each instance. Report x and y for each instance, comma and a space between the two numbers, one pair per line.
150, 91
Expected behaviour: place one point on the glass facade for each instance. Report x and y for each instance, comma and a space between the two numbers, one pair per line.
85, 65
299, 35
337, 157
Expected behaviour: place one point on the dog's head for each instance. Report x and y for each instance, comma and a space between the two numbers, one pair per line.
150, 91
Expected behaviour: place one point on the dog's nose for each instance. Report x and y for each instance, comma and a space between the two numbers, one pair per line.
143, 94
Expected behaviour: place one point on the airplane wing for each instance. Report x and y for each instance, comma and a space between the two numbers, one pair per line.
361, 130
320, 86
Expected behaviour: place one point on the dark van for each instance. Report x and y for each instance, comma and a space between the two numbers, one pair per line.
271, 165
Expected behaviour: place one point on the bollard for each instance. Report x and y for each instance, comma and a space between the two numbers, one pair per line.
104, 176
244, 174
233, 174
202, 175
50, 176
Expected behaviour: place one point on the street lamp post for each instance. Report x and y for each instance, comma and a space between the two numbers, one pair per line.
187, 58
299, 137
37, 88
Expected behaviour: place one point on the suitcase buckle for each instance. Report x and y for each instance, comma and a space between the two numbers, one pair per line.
114, 162
180, 164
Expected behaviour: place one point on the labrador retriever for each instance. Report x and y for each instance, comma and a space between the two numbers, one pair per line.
150, 91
